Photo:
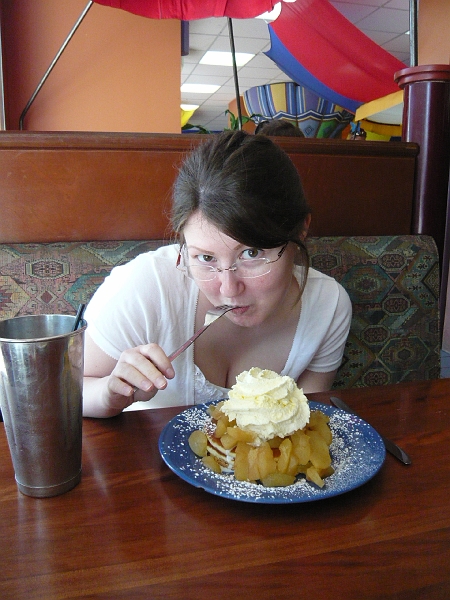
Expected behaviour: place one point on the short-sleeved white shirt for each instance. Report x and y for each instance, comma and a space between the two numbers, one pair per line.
149, 300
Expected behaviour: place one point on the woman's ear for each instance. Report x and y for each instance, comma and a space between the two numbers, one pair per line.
306, 224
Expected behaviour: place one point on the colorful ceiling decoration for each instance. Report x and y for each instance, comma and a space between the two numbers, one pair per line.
186, 115
188, 10
388, 109
336, 67
317, 47
382, 118
314, 115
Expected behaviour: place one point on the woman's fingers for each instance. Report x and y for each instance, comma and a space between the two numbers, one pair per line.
146, 368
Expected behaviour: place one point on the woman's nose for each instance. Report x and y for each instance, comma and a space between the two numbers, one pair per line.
230, 284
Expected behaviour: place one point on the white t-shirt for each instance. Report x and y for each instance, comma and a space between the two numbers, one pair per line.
149, 300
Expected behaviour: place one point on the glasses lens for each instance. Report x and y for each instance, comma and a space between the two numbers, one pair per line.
202, 273
248, 269
245, 269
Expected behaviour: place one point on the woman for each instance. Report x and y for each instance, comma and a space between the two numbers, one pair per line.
241, 218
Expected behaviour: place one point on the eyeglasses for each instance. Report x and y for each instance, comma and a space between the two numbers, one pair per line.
245, 268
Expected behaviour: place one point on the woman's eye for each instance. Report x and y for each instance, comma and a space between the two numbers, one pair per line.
204, 258
252, 253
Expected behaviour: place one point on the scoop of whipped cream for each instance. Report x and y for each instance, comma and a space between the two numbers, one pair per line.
267, 404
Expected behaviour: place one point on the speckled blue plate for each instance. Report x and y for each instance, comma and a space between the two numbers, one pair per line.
357, 453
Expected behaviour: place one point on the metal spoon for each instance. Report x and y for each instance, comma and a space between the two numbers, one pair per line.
211, 315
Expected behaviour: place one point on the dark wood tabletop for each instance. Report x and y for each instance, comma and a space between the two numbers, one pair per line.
133, 529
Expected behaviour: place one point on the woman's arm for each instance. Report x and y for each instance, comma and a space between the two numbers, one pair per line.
312, 381
109, 384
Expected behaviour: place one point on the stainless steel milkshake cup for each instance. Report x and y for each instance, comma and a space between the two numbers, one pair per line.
41, 382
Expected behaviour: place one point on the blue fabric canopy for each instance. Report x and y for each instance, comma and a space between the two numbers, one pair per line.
317, 47
295, 71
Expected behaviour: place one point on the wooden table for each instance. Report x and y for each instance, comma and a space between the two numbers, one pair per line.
132, 529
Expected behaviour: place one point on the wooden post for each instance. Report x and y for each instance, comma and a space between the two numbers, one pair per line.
426, 121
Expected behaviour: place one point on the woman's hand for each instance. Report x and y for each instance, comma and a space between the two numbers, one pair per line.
110, 386
144, 368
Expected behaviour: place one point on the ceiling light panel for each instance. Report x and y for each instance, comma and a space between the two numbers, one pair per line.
225, 59
199, 88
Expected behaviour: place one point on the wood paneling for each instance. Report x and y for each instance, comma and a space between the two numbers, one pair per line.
104, 186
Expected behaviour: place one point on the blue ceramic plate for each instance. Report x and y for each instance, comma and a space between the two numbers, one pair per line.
357, 453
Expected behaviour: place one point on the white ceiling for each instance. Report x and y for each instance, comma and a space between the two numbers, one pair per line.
386, 22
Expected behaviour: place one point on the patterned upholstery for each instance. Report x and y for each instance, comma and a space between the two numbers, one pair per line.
392, 282
57, 277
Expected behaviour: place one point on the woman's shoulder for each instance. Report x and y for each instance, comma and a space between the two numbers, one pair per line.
150, 276
316, 278
314, 274
153, 261
145, 291
165, 253
320, 286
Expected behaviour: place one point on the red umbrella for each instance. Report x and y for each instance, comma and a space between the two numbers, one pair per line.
183, 10
189, 10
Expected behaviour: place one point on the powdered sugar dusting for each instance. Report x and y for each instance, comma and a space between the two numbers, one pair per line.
357, 453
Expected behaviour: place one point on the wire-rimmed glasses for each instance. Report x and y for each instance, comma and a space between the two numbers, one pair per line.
245, 268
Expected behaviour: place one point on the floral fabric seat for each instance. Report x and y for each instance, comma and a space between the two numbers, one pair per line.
392, 281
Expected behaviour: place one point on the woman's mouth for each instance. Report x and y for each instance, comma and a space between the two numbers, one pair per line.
239, 310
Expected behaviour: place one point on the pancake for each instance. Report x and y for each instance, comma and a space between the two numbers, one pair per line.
225, 458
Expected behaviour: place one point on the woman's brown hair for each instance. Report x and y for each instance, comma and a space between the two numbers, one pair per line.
247, 187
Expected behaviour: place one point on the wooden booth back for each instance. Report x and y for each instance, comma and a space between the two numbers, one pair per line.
111, 186
65, 198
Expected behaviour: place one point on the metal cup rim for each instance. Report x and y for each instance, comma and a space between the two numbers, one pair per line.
17, 340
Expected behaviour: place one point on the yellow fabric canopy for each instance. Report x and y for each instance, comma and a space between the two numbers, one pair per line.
387, 110
382, 117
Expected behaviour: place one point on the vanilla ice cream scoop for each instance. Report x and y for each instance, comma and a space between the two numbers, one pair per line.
267, 404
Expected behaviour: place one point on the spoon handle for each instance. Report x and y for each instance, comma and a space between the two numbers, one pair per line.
211, 316
186, 344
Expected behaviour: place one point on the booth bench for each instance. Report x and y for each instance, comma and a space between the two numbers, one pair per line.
74, 205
